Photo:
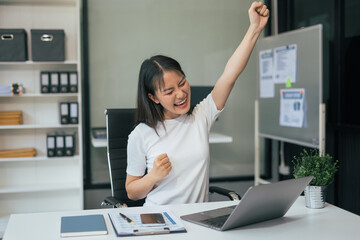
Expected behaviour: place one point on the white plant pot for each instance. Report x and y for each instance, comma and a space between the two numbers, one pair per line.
315, 196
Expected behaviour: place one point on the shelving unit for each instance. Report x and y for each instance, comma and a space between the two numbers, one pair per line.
40, 183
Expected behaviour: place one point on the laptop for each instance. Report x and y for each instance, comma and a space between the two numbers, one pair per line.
259, 203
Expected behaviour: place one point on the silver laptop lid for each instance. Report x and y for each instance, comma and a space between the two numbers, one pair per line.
265, 202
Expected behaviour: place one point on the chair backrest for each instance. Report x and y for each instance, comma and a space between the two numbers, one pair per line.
119, 124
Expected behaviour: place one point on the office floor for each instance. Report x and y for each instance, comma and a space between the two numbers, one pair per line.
94, 197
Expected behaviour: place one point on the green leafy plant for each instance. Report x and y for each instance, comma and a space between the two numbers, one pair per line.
321, 166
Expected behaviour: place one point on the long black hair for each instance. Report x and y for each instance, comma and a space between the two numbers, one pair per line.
150, 78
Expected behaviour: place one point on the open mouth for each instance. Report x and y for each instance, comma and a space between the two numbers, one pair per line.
182, 103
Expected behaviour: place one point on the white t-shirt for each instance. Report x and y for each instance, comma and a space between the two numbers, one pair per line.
186, 142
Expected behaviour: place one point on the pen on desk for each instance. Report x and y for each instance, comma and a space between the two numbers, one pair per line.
170, 219
127, 219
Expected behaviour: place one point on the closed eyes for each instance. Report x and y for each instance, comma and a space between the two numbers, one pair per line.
169, 91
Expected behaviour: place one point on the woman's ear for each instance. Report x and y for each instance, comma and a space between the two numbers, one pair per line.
153, 98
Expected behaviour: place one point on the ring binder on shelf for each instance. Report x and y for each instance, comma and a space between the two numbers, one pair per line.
64, 82
60, 145
69, 145
64, 113
54, 82
73, 82
44, 82
51, 145
74, 115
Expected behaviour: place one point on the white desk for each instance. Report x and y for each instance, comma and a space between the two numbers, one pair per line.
213, 138
299, 223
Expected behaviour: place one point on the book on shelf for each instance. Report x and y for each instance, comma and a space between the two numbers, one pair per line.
86, 225
10, 117
15, 153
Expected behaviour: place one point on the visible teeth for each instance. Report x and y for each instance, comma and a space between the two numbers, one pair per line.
180, 103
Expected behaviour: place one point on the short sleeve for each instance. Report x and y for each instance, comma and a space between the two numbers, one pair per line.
208, 109
136, 159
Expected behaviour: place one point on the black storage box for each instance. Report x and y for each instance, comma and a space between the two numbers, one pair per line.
13, 45
47, 45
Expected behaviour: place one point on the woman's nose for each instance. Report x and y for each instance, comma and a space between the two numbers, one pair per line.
180, 93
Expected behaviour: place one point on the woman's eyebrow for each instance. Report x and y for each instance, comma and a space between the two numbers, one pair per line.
164, 90
170, 88
182, 79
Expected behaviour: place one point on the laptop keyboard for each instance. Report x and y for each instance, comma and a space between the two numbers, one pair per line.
217, 222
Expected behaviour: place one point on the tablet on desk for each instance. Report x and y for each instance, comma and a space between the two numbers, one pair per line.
152, 219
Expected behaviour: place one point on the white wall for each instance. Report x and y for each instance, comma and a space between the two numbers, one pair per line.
201, 35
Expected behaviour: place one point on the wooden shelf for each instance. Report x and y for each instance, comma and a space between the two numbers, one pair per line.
38, 2
38, 158
42, 95
38, 126
39, 188
30, 65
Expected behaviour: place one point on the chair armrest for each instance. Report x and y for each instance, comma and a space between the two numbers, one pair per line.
225, 192
113, 201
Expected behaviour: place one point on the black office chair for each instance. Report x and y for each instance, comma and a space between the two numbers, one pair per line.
119, 124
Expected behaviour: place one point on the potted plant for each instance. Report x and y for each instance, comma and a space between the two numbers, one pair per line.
322, 167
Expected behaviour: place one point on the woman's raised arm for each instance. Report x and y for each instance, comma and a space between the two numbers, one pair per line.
258, 15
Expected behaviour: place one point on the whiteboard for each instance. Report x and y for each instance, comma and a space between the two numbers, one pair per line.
309, 77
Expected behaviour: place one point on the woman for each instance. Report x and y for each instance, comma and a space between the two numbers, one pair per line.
170, 142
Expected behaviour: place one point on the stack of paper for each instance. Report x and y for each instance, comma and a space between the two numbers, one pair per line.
11, 118
23, 152
12, 89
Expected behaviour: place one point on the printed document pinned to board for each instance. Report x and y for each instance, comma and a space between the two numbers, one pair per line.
267, 88
285, 63
293, 107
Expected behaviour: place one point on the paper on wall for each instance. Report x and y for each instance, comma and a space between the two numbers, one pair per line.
293, 108
267, 89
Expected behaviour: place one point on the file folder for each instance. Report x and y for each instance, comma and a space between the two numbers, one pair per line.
44, 82
86, 225
60, 147
54, 82
69, 145
50, 142
74, 113
73, 82
123, 228
64, 82
64, 113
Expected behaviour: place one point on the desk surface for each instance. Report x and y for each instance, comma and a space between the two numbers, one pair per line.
213, 138
299, 223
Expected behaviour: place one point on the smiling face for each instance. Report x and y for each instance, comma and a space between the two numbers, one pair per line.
174, 95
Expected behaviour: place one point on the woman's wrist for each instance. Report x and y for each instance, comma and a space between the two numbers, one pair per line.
152, 178
253, 32
255, 29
